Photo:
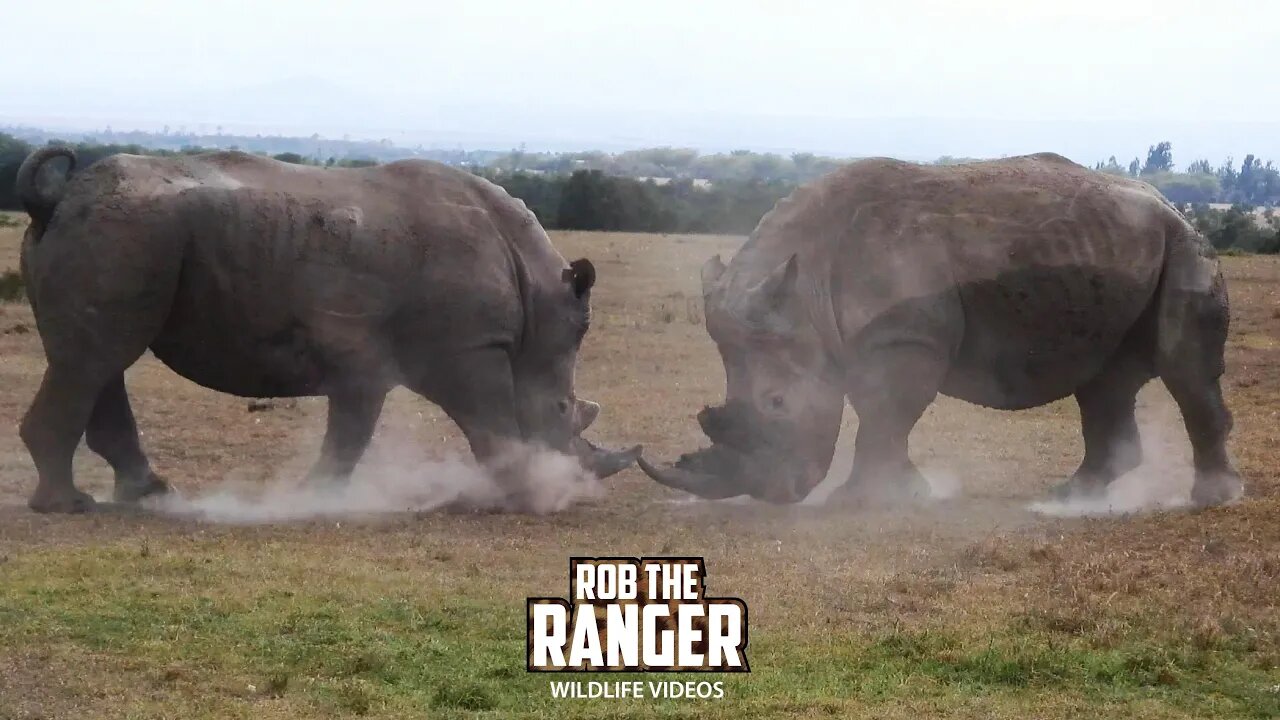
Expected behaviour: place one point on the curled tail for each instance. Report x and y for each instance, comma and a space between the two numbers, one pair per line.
38, 203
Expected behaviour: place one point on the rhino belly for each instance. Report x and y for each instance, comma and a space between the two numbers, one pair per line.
241, 356
243, 329
1035, 335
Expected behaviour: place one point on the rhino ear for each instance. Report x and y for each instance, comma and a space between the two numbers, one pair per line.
772, 292
580, 275
711, 272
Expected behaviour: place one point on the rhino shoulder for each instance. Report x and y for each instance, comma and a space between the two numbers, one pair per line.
1053, 158
858, 182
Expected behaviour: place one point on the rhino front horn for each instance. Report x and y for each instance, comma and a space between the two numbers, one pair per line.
601, 462
704, 485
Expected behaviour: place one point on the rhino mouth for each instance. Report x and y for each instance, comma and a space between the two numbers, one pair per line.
746, 457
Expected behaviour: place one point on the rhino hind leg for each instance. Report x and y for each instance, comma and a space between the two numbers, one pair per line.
352, 417
1193, 325
1112, 445
891, 393
51, 430
112, 433
91, 333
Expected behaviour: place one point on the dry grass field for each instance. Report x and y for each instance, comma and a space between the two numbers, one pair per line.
972, 606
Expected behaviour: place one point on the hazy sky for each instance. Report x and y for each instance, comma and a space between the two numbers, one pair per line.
974, 76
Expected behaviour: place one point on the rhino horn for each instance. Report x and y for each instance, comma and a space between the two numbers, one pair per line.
704, 485
601, 462
711, 272
585, 413
769, 294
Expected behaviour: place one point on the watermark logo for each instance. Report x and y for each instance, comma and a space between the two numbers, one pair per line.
637, 614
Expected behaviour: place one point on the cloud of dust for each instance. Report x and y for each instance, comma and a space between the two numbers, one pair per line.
1162, 482
554, 481
944, 484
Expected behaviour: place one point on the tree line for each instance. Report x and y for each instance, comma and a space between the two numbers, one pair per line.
1253, 183
578, 200
565, 195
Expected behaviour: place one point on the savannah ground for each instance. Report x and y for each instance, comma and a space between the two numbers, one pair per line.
971, 607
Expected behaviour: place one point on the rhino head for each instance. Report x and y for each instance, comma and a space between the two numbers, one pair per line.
547, 408
775, 435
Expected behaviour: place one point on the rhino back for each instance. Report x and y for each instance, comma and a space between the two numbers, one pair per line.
1048, 264
290, 273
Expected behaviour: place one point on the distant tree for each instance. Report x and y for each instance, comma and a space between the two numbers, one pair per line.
1134, 168
589, 202
1200, 167
1227, 176
1111, 167
290, 157
1186, 187
1159, 158
1250, 181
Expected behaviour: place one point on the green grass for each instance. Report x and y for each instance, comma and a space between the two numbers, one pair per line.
208, 633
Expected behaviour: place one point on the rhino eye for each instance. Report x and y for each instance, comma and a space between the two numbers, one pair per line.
776, 402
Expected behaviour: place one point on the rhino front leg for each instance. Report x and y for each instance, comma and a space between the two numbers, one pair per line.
354, 410
477, 391
1112, 445
890, 391
113, 434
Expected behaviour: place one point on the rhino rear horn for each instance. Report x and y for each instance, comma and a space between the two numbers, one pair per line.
770, 293
711, 272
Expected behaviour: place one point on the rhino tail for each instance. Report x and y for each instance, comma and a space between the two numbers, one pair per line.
40, 203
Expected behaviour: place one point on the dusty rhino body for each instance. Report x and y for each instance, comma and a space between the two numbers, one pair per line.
263, 279
1010, 284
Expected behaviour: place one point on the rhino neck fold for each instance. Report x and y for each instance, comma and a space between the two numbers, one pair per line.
815, 289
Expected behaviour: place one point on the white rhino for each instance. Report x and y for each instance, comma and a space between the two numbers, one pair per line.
264, 279
1008, 283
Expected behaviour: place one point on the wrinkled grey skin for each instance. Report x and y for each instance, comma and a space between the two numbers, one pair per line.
263, 279
1010, 284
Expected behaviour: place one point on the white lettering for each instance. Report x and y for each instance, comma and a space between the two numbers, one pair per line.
623, 631
651, 637
549, 635
586, 638
689, 635
724, 634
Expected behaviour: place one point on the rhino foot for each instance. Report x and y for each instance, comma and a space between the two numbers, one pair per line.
1218, 488
909, 488
70, 501
1078, 488
131, 491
